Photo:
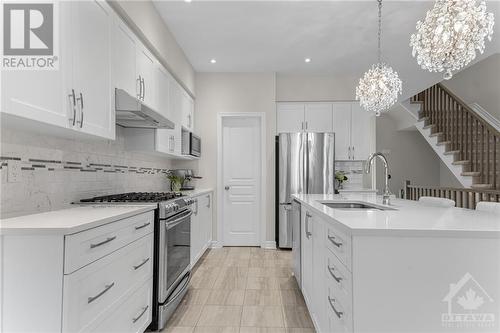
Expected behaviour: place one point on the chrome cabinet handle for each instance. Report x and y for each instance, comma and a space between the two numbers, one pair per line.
337, 278
81, 104
143, 89
141, 314
338, 313
107, 240
209, 201
141, 264
332, 239
72, 96
349, 153
308, 233
142, 226
353, 152
306, 125
139, 94
106, 288
226, 188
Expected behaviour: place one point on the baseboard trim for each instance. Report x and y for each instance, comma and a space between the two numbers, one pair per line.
215, 244
270, 245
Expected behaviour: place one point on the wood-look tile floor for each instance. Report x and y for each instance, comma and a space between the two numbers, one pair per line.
242, 290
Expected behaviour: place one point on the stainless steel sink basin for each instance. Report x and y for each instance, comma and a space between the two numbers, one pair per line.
354, 206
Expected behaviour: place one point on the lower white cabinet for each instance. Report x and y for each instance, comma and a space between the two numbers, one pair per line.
201, 226
108, 289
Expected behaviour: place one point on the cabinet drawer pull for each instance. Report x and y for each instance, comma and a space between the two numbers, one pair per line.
337, 278
332, 239
142, 226
141, 264
338, 313
141, 314
308, 233
208, 201
109, 239
91, 299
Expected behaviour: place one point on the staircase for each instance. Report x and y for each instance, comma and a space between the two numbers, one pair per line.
467, 144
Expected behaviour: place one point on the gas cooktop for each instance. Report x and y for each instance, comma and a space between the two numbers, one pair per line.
136, 197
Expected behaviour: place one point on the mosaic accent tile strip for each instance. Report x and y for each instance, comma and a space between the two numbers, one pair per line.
55, 165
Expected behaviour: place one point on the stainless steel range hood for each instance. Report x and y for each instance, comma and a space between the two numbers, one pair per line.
131, 112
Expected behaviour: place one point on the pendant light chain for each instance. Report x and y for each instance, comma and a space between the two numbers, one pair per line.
379, 31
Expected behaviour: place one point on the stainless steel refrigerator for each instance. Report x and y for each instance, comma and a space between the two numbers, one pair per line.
306, 165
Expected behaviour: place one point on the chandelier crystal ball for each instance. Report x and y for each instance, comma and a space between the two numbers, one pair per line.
447, 39
378, 89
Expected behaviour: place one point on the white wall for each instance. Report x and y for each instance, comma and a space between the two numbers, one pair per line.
146, 21
229, 93
300, 87
410, 157
480, 84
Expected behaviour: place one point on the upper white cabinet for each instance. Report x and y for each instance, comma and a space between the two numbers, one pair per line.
289, 117
92, 29
77, 96
354, 128
124, 59
318, 117
147, 76
297, 117
187, 110
354, 131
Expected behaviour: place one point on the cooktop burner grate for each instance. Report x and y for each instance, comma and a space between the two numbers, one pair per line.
136, 197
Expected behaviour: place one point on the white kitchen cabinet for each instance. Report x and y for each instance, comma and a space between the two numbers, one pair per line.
187, 110
289, 117
76, 282
124, 58
306, 248
354, 131
318, 117
201, 226
42, 95
147, 75
77, 97
342, 129
92, 23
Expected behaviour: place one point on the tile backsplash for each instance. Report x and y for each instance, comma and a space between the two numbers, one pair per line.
57, 171
356, 178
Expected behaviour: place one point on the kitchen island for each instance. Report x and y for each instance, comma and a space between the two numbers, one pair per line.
367, 267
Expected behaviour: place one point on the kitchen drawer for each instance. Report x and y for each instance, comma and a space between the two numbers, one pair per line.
87, 246
340, 244
339, 278
133, 316
338, 311
95, 289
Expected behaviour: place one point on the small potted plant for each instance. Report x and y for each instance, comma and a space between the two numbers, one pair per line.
340, 177
175, 182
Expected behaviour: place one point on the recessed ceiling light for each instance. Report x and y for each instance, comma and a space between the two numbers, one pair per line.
307, 59
213, 61
187, 0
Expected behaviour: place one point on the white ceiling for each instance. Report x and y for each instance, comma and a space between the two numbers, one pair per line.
263, 36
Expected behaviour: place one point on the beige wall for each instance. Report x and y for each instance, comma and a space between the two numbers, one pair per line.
299, 87
145, 20
230, 93
480, 84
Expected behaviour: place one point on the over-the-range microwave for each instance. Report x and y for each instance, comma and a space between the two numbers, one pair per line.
191, 144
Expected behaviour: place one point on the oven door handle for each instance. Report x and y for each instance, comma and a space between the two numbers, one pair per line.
171, 224
186, 279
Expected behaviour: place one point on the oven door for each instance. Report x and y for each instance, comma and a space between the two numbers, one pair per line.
175, 253
195, 145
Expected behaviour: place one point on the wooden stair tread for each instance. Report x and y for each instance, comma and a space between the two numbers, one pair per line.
460, 162
482, 186
436, 134
471, 173
429, 126
441, 143
452, 152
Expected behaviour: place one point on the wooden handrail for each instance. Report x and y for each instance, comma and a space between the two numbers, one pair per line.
463, 197
473, 141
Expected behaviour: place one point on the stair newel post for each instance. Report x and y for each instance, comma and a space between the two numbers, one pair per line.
488, 157
482, 154
495, 162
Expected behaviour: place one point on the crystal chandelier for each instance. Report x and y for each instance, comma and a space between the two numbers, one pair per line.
447, 39
379, 87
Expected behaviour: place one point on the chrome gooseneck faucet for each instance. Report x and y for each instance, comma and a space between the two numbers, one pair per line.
387, 193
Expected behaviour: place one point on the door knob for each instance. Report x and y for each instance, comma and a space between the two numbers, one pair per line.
226, 188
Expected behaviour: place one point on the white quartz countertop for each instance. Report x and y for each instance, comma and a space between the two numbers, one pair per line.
198, 192
71, 220
409, 218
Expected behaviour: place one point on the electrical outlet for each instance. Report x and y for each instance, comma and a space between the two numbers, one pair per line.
13, 171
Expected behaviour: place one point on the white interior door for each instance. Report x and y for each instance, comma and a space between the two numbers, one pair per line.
241, 175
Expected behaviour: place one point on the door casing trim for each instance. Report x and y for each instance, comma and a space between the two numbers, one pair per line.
261, 116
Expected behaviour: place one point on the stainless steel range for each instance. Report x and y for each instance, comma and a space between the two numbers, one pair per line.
172, 234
